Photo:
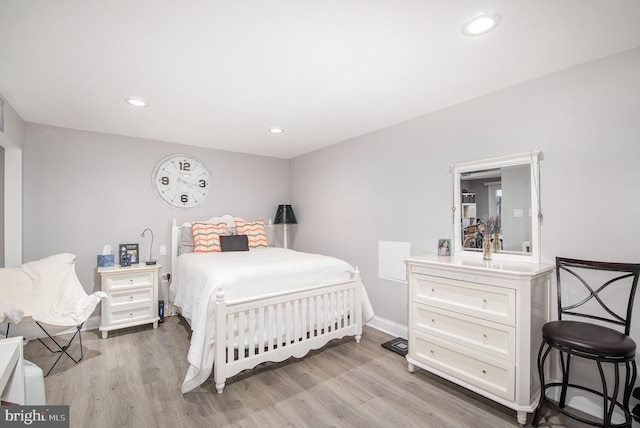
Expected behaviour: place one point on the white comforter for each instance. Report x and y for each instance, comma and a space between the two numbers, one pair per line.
241, 275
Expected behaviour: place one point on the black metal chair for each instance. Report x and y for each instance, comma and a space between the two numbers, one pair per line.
590, 339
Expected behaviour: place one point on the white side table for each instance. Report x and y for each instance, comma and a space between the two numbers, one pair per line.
12, 370
133, 296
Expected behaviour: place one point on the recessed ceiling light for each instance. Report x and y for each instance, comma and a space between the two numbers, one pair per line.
137, 102
481, 24
276, 130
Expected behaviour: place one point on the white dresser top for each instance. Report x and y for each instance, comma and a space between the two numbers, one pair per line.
137, 267
479, 265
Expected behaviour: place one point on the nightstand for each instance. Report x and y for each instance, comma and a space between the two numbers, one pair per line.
133, 296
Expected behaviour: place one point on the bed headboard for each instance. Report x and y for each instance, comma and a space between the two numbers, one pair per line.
176, 230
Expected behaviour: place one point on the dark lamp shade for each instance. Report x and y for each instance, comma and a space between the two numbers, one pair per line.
285, 215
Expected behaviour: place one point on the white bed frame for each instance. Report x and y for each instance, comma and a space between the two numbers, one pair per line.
291, 324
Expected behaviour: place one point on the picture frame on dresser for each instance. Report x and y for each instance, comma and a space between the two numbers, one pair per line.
444, 247
129, 254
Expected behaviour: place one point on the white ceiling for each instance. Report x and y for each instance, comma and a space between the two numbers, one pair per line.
219, 73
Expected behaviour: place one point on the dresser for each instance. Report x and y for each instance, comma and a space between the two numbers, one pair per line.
477, 323
132, 296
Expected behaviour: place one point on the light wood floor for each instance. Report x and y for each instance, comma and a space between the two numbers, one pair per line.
133, 378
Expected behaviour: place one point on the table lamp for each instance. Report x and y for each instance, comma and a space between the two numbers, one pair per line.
285, 216
150, 260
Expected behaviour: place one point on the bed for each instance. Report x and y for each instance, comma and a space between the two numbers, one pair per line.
266, 304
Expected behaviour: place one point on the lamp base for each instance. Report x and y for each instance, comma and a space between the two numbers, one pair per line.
150, 262
285, 237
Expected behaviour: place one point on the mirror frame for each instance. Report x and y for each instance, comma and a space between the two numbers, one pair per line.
532, 159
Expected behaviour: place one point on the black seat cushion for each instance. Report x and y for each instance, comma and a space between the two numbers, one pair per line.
589, 338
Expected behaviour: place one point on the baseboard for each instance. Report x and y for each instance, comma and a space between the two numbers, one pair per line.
92, 323
389, 327
584, 405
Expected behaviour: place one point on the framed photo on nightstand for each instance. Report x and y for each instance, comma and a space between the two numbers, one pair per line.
129, 254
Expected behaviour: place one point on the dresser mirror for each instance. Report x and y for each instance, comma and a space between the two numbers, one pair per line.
507, 188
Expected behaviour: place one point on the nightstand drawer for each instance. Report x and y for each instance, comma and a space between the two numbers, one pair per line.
127, 315
136, 297
116, 282
489, 337
489, 374
478, 300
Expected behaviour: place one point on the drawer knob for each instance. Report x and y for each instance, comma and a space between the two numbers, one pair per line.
130, 297
130, 280
484, 372
131, 315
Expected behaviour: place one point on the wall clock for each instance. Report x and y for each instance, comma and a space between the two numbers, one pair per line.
181, 181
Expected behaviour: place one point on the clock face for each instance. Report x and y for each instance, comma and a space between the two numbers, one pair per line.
181, 181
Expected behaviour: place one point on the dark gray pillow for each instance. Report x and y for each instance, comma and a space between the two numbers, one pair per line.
234, 243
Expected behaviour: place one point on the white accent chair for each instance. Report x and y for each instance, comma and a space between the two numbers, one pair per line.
47, 292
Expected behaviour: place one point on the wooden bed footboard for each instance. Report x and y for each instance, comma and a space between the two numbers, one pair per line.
279, 326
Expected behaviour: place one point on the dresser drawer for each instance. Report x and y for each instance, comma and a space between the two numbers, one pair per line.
478, 300
489, 337
489, 374
116, 282
132, 297
127, 315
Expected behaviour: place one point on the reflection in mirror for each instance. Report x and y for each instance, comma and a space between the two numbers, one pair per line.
505, 188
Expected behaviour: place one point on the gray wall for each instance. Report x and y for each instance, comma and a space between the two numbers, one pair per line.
1, 206
11, 140
395, 184
83, 190
13, 134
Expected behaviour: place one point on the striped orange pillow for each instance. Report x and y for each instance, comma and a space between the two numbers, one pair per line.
206, 237
255, 232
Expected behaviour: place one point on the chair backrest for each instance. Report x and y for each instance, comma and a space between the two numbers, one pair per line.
606, 294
